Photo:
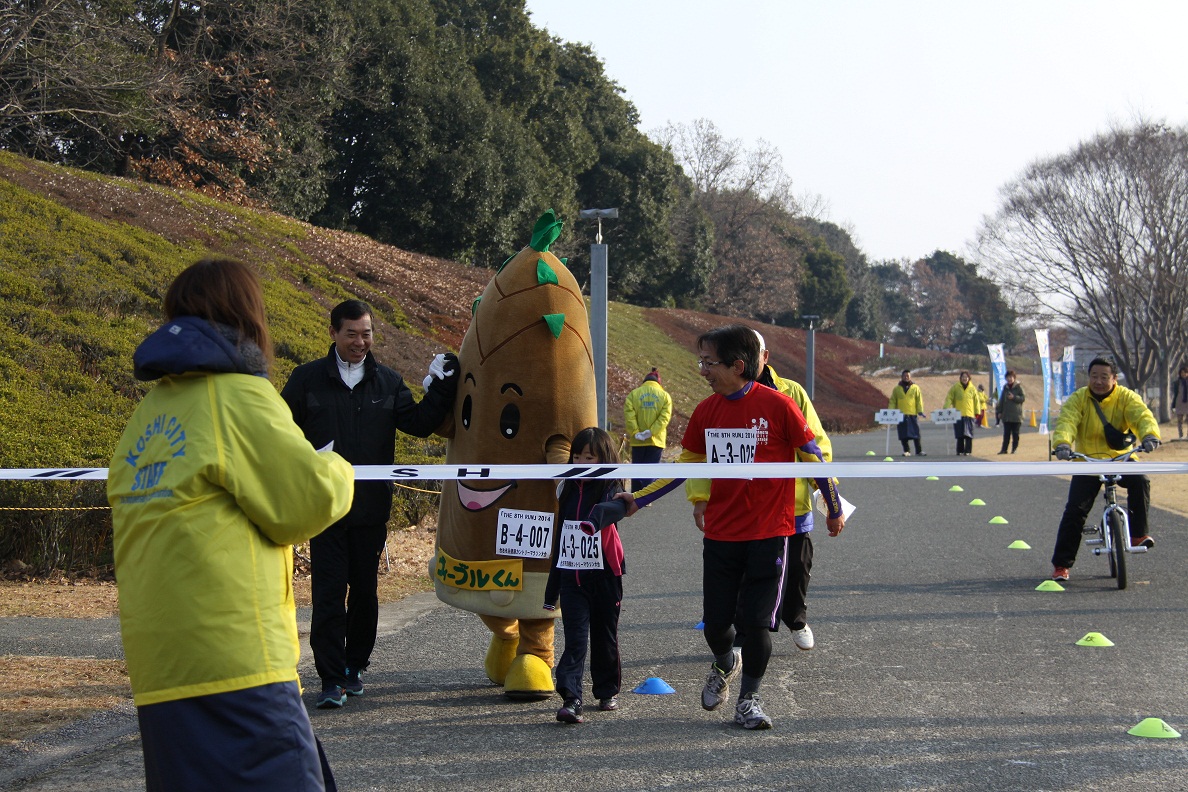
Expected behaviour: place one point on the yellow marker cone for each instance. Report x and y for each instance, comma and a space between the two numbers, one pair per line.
888, 459
998, 520
1153, 727
932, 478
1049, 585
977, 502
956, 488
1095, 639
1018, 544
1033, 419
871, 453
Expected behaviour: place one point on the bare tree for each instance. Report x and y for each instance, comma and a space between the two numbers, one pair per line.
708, 158
71, 69
748, 196
1099, 238
939, 306
718, 164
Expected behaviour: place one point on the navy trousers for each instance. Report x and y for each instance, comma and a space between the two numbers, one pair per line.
590, 604
256, 740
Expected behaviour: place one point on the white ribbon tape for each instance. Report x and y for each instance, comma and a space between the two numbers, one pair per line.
758, 470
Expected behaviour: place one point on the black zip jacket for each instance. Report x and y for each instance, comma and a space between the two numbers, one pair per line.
363, 422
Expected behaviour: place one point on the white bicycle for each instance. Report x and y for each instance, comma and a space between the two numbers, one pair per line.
1111, 536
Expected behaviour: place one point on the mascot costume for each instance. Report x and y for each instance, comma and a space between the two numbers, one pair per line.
526, 388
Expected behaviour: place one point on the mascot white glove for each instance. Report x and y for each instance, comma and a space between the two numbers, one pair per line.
437, 370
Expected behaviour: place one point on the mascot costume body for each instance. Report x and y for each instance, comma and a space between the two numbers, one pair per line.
526, 388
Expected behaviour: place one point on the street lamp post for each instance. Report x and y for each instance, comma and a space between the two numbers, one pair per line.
598, 301
810, 357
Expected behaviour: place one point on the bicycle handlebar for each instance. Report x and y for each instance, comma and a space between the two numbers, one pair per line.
1120, 458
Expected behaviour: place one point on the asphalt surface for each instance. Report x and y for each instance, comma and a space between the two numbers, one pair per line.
938, 666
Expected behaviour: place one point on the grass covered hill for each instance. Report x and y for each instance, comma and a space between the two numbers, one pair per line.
84, 264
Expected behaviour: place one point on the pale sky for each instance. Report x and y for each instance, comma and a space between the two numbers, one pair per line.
906, 117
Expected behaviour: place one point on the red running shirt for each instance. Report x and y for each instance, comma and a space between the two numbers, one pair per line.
740, 510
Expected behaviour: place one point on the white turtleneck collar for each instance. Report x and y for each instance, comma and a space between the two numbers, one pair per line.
351, 373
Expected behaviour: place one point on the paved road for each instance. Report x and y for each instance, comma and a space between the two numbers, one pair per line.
938, 666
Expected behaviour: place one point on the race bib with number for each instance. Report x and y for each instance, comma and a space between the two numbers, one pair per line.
579, 551
524, 534
730, 446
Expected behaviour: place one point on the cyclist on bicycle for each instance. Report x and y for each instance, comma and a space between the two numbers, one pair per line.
1083, 421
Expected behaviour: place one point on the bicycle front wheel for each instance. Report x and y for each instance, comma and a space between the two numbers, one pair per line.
1120, 539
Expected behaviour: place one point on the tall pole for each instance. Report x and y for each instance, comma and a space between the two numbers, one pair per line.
598, 301
598, 321
810, 357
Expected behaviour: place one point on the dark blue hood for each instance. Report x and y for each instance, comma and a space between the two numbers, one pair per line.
189, 343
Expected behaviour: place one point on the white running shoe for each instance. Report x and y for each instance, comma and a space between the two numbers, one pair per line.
803, 638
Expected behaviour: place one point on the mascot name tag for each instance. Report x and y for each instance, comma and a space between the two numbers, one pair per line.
524, 534
579, 551
731, 446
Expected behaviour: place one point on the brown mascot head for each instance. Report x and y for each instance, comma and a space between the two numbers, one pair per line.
527, 387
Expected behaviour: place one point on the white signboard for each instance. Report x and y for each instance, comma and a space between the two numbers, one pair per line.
578, 551
524, 534
949, 416
889, 417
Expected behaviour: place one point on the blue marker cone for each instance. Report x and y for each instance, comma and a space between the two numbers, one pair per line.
654, 686
699, 626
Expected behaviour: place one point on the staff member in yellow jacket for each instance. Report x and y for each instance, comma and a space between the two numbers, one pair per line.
1081, 424
646, 414
908, 399
210, 486
964, 397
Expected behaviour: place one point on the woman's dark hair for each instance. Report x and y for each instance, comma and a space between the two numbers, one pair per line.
1011, 373
731, 343
222, 290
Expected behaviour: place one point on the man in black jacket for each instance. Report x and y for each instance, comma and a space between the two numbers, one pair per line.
350, 400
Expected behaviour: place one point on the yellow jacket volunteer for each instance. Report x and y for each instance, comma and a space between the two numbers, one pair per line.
210, 485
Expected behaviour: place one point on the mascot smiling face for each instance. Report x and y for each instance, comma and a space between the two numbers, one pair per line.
527, 387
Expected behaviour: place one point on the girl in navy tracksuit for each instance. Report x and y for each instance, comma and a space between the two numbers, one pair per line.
590, 598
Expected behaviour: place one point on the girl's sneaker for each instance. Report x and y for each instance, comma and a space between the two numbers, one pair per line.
608, 704
570, 712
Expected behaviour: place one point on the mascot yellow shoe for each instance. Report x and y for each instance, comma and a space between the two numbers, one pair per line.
529, 679
500, 655
526, 388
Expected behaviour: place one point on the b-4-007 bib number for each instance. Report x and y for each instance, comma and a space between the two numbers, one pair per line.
524, 534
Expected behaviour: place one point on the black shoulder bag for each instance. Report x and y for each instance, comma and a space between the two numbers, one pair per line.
1115, 438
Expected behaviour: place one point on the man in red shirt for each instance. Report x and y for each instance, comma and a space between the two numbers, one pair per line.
746, 522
